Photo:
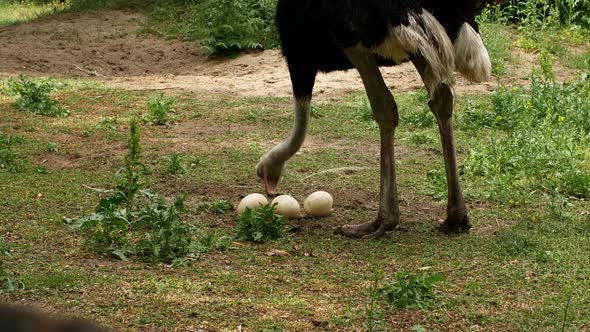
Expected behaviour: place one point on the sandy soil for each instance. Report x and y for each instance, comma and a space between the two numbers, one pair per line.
106, 45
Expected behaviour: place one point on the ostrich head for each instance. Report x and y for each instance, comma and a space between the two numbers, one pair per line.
270, 170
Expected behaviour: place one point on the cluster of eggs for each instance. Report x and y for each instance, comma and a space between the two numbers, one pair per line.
318, 204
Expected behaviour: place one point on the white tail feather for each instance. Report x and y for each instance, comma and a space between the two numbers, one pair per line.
471, 56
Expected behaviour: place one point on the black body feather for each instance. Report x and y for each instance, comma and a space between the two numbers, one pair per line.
313, 32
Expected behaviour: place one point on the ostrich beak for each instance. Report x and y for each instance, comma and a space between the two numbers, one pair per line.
271, 188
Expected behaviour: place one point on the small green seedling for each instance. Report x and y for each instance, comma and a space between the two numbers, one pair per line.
51, 147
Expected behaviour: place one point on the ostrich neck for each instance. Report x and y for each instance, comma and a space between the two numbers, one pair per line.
291, 145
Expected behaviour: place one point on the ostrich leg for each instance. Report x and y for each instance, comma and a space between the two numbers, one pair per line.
386, 115
441, 104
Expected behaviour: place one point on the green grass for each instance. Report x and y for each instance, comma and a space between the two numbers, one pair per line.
520, 268
524, 158
579, 60
494, 36
12, 13
81, 5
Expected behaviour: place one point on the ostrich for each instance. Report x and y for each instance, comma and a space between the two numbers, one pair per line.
327, 35
15, 319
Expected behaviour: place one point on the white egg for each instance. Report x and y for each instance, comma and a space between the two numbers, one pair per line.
318, 204
286, 206
252, 201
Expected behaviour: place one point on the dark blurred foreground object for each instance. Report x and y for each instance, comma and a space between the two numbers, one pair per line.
18, 319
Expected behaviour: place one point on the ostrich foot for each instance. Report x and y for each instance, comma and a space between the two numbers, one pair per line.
368, 230
455, 225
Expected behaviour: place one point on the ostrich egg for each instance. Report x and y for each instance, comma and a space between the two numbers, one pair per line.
252, 201
286, 206
318, 204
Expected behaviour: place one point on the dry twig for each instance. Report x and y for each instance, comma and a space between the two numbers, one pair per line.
337, 170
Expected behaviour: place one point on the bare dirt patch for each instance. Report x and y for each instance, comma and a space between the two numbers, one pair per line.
107, 45
58, 162
103, 44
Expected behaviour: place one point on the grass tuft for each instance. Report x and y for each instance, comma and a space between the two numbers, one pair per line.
6, 283
10, 159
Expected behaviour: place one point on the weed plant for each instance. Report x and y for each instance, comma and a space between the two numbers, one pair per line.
437, 184
374, 313
168, 238
496, 42
34, 97
544, 24
234, 25
108, 228
413, 108
412, 291
315, 112
542, 143
514, 244
415, 111
260, 224
174, 165
128, 178
133, 220
221, 26
542, 12
107, 231
159, 110
420, 139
